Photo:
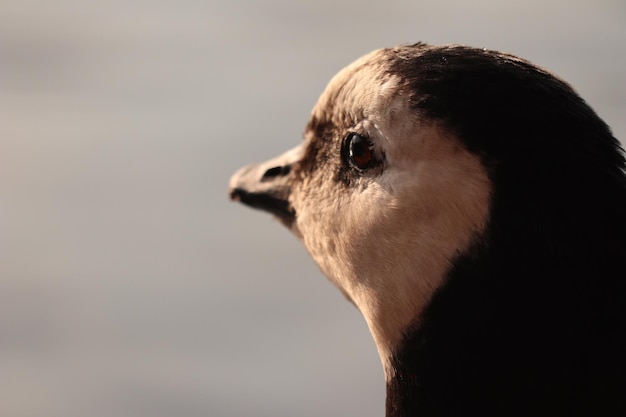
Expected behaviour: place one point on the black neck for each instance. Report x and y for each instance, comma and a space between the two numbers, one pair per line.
525, 360
530, 322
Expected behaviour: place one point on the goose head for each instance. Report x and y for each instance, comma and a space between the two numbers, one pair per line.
446, 191
382, 197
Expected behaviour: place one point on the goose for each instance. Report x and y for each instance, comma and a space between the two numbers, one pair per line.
472, 206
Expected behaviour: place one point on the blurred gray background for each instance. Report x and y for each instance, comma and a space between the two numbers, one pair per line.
129, 284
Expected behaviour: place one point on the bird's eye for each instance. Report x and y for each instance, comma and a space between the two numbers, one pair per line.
360, 151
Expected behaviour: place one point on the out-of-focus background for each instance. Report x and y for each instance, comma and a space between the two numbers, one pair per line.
129, 285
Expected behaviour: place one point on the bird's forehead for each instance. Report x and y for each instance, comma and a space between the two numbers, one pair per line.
362, 90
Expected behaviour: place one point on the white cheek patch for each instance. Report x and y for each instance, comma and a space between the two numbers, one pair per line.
389, 244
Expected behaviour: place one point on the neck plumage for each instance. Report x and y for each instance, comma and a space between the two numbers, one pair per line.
533, 331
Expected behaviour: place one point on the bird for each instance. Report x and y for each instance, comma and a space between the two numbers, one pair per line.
472, 206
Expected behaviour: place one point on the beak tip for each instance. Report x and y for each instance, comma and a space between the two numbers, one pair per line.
234, 194
240, 181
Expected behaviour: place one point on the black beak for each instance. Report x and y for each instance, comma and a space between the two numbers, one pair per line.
266, 186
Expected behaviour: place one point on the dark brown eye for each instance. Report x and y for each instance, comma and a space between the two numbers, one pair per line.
360, 151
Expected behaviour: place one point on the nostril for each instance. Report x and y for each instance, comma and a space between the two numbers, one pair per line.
271, 173
275, 172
